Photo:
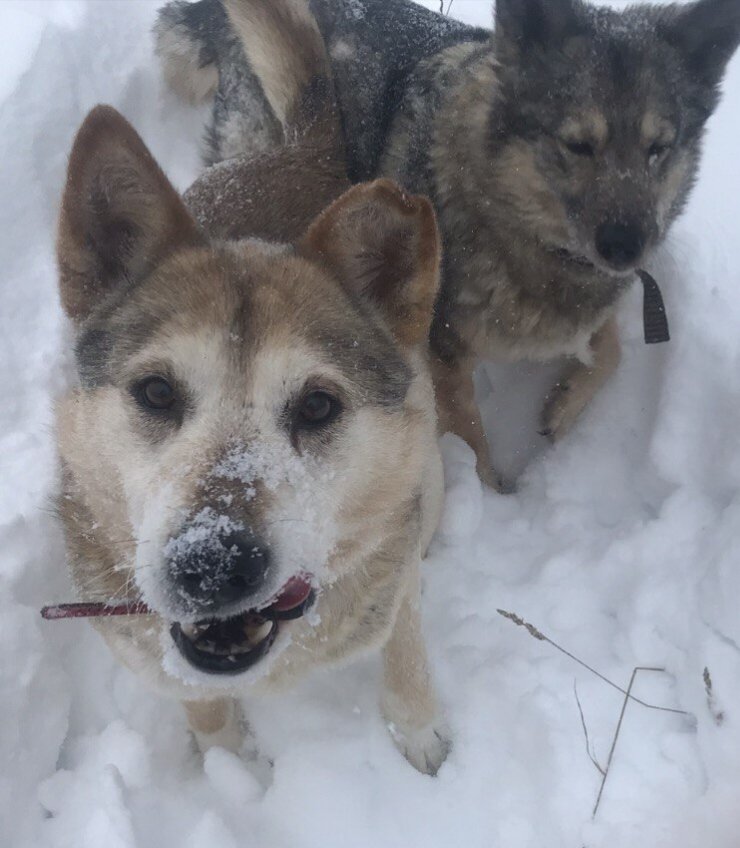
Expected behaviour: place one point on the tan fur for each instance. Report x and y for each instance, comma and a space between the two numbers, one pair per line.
108, 168
655, 128
305, 179
408, 704
590, 125
284, 46
414, 244
216, 724
128, 482
458, 411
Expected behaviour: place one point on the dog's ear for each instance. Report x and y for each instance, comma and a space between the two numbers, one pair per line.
120, 215
383, 245
707, 33
525, 25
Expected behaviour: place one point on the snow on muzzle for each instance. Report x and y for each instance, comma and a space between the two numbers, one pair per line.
232, 645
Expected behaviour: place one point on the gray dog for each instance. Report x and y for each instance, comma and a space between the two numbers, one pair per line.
557, 151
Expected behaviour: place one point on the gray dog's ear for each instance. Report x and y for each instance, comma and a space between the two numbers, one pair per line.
120, 215
707, 33
524, 25
383, 245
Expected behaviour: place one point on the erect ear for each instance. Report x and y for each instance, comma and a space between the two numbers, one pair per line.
120, 215
383, 245
707, 33
525, 25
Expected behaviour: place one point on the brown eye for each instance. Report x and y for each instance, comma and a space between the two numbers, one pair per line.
579, 148
317, 408
156, 393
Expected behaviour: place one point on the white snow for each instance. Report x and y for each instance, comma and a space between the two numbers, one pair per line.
623, 545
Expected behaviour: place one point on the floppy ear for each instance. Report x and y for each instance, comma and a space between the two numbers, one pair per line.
383, 245
120, 215
523, 25
707, 33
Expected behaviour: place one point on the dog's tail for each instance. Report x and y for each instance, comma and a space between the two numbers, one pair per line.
184, 40
282, 45
287, 54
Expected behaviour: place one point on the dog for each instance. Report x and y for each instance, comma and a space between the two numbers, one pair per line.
557, 150
251, 450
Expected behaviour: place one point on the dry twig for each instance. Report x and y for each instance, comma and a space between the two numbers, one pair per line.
717, 715
628, 696
540, 636
589, 749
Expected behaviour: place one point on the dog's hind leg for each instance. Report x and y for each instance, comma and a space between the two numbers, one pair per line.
458, 413
579, 384
219, 723
409, 704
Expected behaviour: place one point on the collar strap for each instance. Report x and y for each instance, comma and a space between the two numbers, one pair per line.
653, 309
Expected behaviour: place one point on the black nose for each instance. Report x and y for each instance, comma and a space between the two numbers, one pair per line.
218, 571
620, 243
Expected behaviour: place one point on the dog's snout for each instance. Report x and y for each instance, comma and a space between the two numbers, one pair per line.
220, 572
620, 243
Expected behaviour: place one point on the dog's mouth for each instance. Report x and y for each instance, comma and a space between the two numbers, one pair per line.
581, 261
566, 255
232, 645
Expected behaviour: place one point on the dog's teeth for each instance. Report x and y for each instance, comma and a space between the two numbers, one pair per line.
194, 631
255, 635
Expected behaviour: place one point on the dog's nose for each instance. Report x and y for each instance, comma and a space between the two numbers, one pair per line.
620, 243
219, 572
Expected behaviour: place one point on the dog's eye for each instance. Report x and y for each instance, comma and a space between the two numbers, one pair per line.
317, 409
656, 150
579, 148
155, 393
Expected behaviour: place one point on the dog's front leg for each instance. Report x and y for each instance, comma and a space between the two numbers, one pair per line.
218, 723
580, 383
458, 413
408, 702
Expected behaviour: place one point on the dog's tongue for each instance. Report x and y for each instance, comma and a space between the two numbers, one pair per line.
293, 594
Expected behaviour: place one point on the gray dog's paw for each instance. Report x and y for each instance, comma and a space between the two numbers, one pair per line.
562, 408
426, 748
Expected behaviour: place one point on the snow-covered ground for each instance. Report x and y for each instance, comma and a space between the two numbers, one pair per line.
623, 545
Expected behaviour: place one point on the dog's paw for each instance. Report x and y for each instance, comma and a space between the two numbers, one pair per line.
426, 748
233, 735
562, 407
229, 738
505, 485
493, 479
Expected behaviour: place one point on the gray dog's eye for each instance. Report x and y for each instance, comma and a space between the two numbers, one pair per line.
579, 148
657, 149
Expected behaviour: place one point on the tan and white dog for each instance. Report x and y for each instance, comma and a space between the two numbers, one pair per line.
251, 449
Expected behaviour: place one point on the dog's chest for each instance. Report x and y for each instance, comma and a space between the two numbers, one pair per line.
498, 320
